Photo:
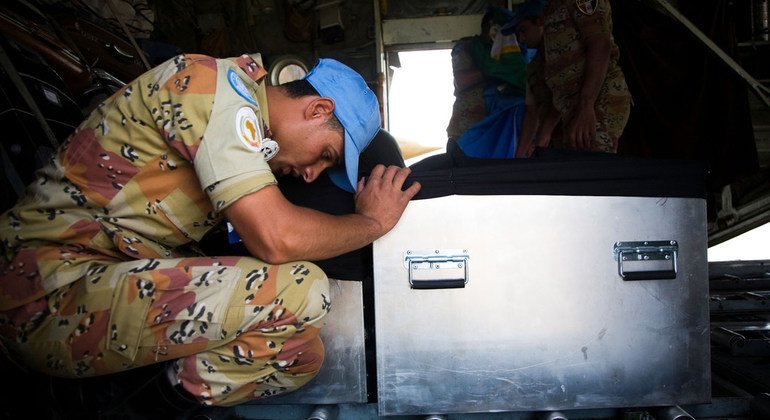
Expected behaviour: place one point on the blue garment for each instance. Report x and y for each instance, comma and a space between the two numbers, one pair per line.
496, 136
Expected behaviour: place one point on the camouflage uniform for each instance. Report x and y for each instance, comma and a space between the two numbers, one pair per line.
468, 108
567, 22
98, 273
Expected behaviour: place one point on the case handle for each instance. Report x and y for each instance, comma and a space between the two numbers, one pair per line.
646, 260
437, 269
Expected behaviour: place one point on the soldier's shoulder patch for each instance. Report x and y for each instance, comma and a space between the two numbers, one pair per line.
247, 128
587, 7
239, 87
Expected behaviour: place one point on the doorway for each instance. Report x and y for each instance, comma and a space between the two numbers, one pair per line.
420, 98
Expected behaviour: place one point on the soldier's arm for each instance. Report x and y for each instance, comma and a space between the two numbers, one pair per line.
582, 128
276, 231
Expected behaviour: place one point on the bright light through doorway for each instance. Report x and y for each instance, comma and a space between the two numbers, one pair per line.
420, 101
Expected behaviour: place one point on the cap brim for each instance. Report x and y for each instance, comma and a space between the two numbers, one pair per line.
347, 177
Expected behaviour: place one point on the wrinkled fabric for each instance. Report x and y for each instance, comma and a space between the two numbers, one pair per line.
496, 136
237, 328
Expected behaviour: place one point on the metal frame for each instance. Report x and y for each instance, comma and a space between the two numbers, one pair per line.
759, 89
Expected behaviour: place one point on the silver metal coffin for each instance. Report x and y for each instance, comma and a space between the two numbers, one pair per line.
542, 302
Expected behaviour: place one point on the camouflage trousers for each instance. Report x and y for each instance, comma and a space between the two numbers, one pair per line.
613, 107
235, 328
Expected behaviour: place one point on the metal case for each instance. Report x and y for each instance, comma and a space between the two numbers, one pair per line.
540, 302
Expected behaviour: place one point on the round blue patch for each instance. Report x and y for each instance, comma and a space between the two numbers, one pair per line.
237, 84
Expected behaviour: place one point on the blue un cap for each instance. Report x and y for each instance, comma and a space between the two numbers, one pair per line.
528, 9
357, 109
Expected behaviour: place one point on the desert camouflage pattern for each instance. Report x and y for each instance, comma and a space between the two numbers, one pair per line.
469, 107
99, 271
567, 22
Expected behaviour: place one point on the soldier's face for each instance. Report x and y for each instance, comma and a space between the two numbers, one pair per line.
530, 33
308, 152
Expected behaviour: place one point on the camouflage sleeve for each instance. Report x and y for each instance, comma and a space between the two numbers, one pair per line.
205, 112
230, 163
179, 95
591, 17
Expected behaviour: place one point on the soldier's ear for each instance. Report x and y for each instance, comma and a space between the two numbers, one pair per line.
321, 107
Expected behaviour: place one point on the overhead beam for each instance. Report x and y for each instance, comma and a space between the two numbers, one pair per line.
436, 29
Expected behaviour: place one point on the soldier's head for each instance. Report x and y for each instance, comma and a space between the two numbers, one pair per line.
530, 31
527, 23
332, 118
494, 18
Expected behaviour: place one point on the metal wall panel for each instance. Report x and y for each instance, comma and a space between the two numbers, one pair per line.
429, 29
545, 321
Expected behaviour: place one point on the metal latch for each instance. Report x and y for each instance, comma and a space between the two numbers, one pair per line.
437, 268
646, 260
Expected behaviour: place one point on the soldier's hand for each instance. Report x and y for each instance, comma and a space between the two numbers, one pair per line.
381, 198
581, 130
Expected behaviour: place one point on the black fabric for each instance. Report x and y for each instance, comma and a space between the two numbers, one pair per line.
552, 172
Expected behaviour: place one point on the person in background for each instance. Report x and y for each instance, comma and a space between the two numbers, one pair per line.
99, 265
541, 117
489, 71
575, 76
